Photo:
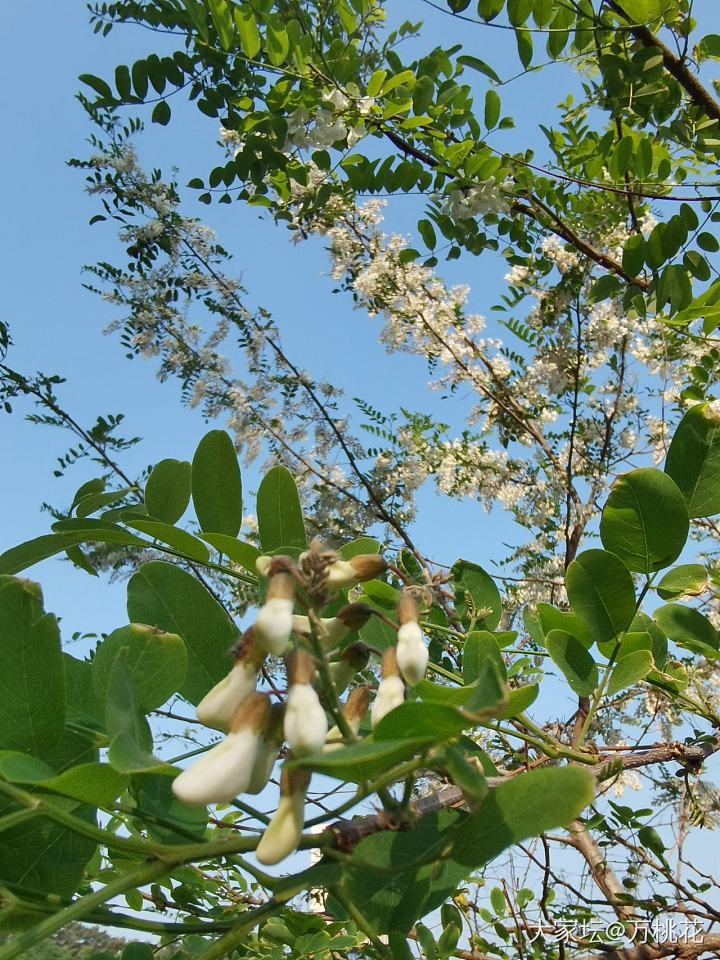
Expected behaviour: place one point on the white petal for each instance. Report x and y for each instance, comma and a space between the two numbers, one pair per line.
265, 759
220, 774
284, 830
273, 625
305, 725
218, 705
412, 654
391, 693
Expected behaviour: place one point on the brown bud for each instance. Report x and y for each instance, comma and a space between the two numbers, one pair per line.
389, 663
281, 585
253, 712
356, 655
246, 650
280, 564
274, 727
367, 566
354, 615
407, 609
293, 781
357, 703
300, 667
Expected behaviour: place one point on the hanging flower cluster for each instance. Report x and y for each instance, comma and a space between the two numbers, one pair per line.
318, 671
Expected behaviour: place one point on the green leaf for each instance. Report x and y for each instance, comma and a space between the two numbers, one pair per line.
399, 876
222, 21
180, 540
685, 580
574, 662
422, 720
49, 858
140, 78
33, 551
643, 12
478, 647
601, 592
525, 806
130, 749
518, 11
167, 597
32, 685
157, 662
236, 550
101, 88
471, 579
492, 109
280, 519
520, 699
605, 287
551, 618
688, 628
167, 491
365, 760
629, 670
90, 530
216, 484
277, 42
248, 32
693, 460
523, 38
94, 783
633, 258
645, 521
180, 822
93, 501
427, 232
356, 547
81, 704
161, 113
476, 64
708, 48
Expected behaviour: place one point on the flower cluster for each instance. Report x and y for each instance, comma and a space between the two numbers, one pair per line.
317, 673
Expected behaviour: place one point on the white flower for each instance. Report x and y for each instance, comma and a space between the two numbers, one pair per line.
391, 693
354, 657
218, 705
412, 654
305, 722
268, 749
273, 625
224, 771
354, 711
284, 831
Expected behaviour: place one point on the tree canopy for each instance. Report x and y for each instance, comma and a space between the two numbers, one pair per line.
468, 795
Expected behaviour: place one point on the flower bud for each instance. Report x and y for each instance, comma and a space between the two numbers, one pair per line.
412, 654
224, 771
332, 630
274, 621
218, 705
391, 691
354, 657
346, 573
354, 710
406, 609
268, 749
305, 723
283, 833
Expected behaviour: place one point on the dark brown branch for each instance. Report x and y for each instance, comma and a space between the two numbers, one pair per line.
348, 833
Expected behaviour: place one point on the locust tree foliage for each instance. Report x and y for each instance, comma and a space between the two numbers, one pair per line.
451, 742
